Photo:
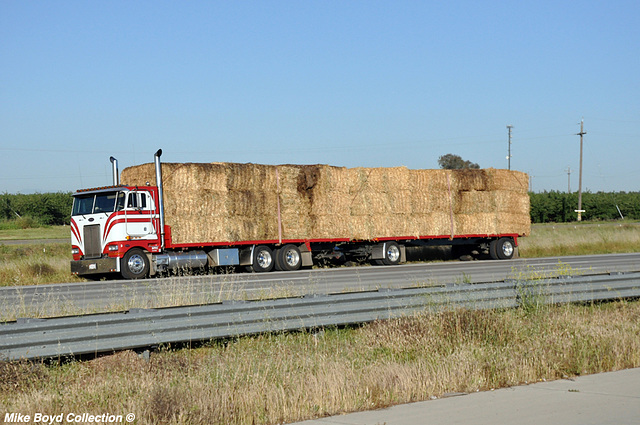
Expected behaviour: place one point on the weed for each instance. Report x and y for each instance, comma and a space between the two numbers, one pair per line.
465, 279
530, 295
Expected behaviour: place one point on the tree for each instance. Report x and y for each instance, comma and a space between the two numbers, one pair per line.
455, 162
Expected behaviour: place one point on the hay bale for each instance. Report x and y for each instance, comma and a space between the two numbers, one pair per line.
511, 201
471, 180
429, 180
334, 227
473, 202
475, 224
513, 223
430, 224
423, 201
508, 180
238, 202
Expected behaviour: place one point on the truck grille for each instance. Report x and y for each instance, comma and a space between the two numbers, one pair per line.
92, 243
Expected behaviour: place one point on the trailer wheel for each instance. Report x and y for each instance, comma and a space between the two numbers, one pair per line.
493, 250
288, 258
135, 264
502, 249
263, 260
506, 248
392, 254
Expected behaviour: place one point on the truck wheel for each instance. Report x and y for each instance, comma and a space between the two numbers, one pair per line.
288, 258
135, 264
493, 250
502, 249
505, 248
391, 254
263, 260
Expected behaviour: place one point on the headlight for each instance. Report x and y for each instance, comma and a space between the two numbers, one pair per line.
113, 247
75, 251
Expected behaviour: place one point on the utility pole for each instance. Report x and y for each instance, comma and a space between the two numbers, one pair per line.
580, 210
569, 178
509, 127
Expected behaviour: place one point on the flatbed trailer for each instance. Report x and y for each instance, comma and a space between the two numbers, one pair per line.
121, 229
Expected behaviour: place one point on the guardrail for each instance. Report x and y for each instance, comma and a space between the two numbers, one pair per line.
139, 328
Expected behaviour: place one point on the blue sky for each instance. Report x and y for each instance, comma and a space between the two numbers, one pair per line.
349, 83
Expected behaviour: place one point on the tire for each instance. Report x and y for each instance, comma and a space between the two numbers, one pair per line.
263, 260
288, 258
135, 264
392, 254
505, 248
493, 250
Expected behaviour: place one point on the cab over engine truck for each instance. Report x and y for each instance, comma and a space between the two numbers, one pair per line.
121, 229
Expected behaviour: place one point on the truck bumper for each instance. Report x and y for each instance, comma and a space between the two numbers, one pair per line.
95, 266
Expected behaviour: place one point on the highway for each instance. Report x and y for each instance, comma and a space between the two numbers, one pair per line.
118, 295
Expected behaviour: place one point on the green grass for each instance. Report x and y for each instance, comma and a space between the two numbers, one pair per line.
281, 378
46, 232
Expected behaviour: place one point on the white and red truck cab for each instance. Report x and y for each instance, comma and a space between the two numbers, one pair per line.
108, 223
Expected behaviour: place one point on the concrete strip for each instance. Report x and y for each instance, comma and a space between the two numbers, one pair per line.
606, 398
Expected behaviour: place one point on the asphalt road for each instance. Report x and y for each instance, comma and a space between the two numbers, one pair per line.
82, 297
606, 398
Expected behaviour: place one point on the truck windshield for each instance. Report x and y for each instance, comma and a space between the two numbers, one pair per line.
97, 203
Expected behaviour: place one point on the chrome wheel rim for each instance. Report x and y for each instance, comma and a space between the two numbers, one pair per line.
507, 249
264, 259
136, 264
393, 253
292, 258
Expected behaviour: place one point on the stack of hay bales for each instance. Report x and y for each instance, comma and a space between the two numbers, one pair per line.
228, 202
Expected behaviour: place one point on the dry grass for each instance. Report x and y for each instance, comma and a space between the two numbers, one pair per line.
581, 239
35, 264
273, 379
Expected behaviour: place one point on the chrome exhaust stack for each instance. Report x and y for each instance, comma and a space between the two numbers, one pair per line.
160, 197
114, 167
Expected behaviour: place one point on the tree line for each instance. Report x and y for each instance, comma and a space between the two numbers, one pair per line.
37, 209
51, 209
559, 207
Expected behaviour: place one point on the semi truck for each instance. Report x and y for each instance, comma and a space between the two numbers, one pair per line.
122, 229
